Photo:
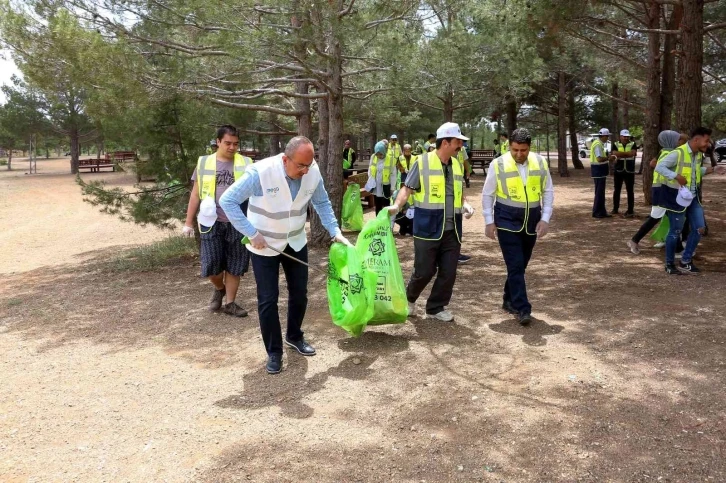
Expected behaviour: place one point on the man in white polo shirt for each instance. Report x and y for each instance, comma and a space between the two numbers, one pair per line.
279, 190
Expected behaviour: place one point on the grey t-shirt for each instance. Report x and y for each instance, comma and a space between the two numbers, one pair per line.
413, 181
225, 179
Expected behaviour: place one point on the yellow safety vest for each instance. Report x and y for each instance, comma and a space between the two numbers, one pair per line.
504, 147
669, 187
622, 163
432, 195
511, 190
388, 164
407, 164
207, 172
657, 177
347, 163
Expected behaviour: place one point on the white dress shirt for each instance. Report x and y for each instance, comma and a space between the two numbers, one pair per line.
489, 193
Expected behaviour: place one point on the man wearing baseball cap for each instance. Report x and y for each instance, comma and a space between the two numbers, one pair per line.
625, 151
599, 169
436, 181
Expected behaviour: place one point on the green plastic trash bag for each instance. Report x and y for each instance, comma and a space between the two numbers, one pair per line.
377, 250
352, 210
351, 304
662, 230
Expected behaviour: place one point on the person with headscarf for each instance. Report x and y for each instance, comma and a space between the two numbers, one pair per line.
668, 140
382, 176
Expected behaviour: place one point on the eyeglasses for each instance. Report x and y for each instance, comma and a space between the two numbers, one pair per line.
301, 167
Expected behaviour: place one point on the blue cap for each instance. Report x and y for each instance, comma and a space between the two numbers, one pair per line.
380, 147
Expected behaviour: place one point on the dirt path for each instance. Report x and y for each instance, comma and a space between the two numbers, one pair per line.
126, 377
46, 222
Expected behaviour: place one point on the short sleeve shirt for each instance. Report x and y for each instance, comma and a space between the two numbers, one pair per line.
225, 179
413, 181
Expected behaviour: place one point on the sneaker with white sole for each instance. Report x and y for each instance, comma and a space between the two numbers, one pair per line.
443, 316
659, 245
412, 310
634, 248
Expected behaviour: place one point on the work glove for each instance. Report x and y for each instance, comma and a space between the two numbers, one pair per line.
187, 231
341, 239
468, 210
393, 210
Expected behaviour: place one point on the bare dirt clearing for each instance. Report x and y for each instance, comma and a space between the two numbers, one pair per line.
46, 222
125, 376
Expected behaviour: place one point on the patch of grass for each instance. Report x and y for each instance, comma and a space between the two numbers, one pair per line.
3, 162
155, 255
13, 302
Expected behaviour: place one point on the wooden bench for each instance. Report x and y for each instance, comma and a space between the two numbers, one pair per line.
361, 179
94, 165
481, 158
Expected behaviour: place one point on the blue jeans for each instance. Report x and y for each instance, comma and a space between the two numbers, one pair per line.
694, 214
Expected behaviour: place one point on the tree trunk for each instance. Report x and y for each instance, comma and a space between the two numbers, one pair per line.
572, 111
562, 126
10, 159
334, 178
511, 115
75, 149
318, 234
615, 115
275, 138
652, 98
668, 82
374, 132
626, 111
690, 81
448, 104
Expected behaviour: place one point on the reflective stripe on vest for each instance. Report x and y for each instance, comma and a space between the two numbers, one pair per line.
207, 172
430, 200
623, 163
276, 215
668, 188
432, 195
388, 164
510, 188
593, 158
657, 177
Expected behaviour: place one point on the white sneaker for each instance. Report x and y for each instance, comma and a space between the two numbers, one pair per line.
412, 310
443, 316
659, 245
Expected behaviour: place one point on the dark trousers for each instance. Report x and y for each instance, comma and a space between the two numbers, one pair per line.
405, 224
645, 228
516, 250
382, 203
267, 276
434, 257
598, 206
629, 180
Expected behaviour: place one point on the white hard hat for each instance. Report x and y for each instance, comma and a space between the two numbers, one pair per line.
207, 212
625, 133
604, 132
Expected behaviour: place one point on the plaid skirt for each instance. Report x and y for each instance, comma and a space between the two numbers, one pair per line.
222, 250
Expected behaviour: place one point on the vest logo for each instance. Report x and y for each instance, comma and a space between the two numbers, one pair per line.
310, 192
272, 191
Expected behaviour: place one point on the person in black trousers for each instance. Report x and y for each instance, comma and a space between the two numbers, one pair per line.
517, 200
624, 151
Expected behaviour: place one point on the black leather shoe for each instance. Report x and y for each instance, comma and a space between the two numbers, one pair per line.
507, 307
525, 318
301, 346
274, 363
